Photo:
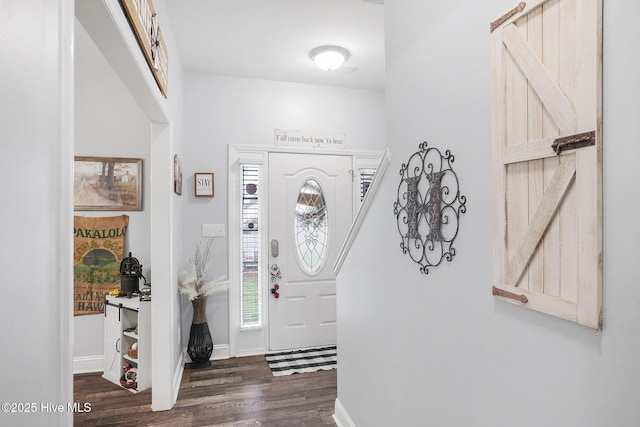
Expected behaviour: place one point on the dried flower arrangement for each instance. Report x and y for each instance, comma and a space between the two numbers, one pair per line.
191, 281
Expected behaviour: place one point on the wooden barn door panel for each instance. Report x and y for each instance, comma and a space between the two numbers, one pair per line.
546, 72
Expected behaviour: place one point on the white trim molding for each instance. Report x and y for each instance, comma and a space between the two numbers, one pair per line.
252, 338
362, 211
88, 364
177, 379
341, 417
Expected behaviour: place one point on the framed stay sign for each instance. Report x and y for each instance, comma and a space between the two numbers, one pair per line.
204, 184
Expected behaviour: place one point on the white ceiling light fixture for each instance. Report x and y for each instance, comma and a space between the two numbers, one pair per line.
329, 58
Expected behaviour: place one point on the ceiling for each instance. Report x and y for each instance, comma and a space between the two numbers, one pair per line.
271, 39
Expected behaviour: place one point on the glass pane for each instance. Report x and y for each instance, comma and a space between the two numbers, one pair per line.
250, 307
311, 230
366, 178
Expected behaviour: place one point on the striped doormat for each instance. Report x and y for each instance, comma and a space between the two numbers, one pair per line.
298, 361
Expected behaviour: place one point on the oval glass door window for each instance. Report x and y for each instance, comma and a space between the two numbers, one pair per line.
311, 227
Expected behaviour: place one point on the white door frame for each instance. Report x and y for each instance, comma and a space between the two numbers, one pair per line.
255, 340
109, 28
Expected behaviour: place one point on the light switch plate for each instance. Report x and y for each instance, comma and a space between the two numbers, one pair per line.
213, 230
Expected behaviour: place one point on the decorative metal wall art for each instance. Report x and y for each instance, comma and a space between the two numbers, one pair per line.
428, 207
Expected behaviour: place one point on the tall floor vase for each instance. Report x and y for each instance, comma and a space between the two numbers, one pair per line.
200, 343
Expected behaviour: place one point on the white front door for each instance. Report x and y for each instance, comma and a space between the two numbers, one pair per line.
310, 212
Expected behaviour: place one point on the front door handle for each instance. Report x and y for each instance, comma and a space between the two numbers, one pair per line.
275, 251
275, 273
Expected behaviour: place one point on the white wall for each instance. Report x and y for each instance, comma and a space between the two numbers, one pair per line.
223, 110
36, 131
439, 349
108, 123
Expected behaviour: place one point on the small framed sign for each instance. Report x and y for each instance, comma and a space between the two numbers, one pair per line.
204, 184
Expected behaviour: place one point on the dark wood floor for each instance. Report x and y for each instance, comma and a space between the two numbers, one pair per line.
235, 392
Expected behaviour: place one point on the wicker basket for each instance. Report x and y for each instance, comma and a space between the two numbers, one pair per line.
128, 384
127, 380
132, 353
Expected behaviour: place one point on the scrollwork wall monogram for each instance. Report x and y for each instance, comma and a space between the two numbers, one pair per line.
428, 207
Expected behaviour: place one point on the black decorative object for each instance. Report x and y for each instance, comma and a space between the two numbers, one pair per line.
130, 274
192, 283
428, 207
200, 344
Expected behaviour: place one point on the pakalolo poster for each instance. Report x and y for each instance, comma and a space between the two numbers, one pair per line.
98, 252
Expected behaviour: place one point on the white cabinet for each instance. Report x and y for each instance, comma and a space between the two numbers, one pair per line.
127, 342
112, 342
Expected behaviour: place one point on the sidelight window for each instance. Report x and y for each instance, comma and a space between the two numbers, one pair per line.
251, 304
366, 177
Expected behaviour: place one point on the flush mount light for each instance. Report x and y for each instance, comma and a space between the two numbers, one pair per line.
329, 57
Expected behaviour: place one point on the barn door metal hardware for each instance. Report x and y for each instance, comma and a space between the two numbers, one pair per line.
504, 18
428, 207
574, 141
506, 294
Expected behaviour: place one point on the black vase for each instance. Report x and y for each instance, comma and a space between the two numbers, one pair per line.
200, 343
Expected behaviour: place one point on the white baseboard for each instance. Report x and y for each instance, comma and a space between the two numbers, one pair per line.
178, 379
341, 417
251, 352
220, 352
86, 364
